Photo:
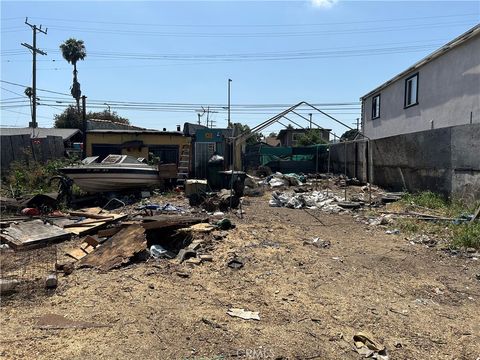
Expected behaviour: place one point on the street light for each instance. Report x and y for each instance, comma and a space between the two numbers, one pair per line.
108, 106
229, 81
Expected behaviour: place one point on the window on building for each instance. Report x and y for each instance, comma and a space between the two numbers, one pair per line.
411, 90
295, 138
376, 107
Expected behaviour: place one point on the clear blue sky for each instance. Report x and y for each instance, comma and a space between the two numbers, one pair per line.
176, 56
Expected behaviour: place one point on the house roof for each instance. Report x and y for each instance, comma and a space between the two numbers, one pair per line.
139, 131
190, 129
66, 134
475, 31
97, 124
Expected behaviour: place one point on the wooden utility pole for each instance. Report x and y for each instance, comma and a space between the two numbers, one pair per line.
34, 50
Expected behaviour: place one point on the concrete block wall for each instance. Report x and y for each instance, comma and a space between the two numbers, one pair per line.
445, 161
356, 158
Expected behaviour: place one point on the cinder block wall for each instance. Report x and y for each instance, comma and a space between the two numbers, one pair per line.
445, 160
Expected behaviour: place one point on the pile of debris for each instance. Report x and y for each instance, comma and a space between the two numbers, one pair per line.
108, 240
323, 200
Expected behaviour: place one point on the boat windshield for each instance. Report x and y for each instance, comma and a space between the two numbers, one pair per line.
120, 159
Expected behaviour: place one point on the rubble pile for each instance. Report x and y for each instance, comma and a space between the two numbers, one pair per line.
311, 200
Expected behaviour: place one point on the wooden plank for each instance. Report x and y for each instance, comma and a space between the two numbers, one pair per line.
76, 253
93, 228
109, 232
172, 222
117, 250
87, 222
30, 233
89, 215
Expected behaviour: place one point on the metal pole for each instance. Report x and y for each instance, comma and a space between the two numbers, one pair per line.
229, 121
310, 115
345, 171
84, 126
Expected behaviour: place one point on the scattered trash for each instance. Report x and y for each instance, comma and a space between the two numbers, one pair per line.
30, 212
8, 285
225, 224
51, 281
56, 322
243, 314
393, 232
313, 200
349, 204
365, 345
318, 243
235, 263
157, 251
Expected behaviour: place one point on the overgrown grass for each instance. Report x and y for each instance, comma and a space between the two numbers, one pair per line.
429, 200
467, 235
461, 235
32, 177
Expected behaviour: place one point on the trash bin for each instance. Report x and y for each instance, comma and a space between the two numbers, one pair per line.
238, 179
214, 167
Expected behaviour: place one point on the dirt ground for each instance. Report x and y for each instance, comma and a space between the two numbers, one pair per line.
421, 303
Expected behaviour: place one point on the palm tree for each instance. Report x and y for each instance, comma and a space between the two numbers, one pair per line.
72, 51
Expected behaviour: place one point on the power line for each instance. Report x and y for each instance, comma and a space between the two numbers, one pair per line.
256, 25
260, 34
24, 86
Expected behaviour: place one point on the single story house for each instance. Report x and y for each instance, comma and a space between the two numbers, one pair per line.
167, 145
441, 90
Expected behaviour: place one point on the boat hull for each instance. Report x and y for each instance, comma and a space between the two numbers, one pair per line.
102, 179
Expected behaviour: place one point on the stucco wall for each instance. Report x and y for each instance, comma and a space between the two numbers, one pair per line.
448, 95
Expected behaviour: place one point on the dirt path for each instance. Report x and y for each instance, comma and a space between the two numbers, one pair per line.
420, 302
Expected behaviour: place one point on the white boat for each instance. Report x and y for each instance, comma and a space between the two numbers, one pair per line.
114, 173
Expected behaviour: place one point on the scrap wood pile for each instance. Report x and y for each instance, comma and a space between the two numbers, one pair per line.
105, 240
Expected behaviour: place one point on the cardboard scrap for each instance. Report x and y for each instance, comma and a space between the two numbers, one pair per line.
54, 321
118, 250
243, 314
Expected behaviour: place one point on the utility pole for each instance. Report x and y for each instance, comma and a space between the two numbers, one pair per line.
310, 115
199, 122
34, 50
229, 122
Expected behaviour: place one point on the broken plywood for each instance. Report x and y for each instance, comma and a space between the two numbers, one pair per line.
87, 227
118, 250
32, 233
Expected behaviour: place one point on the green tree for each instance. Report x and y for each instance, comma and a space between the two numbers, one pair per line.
311, 137
349, 135
74, 50
70, 118
241, 129
272, 134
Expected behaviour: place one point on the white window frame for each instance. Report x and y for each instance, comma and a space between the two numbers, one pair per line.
411, 90
376, 107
